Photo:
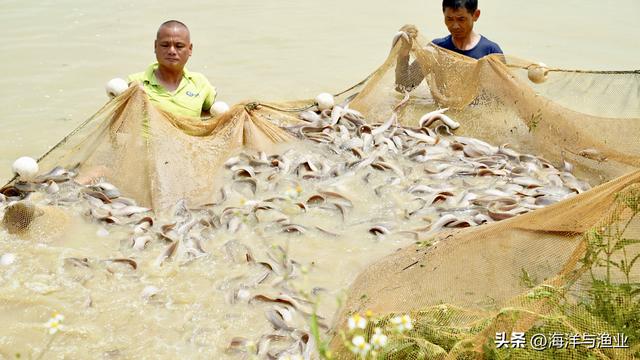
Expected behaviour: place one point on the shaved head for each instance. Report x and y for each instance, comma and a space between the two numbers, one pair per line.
173, 45
172, 24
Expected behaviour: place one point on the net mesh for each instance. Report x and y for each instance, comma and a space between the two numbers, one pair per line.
29, 221
18, 217
569, 269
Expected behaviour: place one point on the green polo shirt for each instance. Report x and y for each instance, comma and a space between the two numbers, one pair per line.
193, 95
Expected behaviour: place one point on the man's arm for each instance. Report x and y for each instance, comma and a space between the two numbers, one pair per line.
210, 95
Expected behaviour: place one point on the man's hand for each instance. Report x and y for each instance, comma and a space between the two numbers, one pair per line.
406, 34
411, 30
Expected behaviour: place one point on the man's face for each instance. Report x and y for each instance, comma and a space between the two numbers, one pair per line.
173, 47
460, 21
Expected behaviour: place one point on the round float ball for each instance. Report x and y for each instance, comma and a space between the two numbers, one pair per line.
116, 87
537, 73
324, 101
26, 167
219, 108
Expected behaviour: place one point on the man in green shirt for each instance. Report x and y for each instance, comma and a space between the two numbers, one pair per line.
168, 84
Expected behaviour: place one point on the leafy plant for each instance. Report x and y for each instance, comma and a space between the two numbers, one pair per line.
608, 249
534, 121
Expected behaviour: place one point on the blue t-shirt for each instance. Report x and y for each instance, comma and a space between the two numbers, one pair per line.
483, 48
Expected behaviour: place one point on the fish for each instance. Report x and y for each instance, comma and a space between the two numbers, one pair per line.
443, 221
52, 187
130, 262
238, 344
452, 124
167, 254
241, 172
327, 232
106, 188
400, 35
277, 320
129, 210
527, 182
421, 136
382, 165
385, 126
98, 195
428, 116
140, 242
337, 196
379, 230
475, 146
293, 229
310, 116
336, 114
592, 154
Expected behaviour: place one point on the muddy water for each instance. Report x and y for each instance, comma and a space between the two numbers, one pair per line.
57, 57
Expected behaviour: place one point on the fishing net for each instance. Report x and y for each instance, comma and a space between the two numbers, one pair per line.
158, 158
30, 221
18, 217
558, 283
567, 269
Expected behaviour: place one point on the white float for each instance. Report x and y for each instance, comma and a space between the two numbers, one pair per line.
537, 73
324, 101
116, 87
219, 108
25, 167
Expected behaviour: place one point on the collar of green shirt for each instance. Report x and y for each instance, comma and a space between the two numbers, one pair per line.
150, 76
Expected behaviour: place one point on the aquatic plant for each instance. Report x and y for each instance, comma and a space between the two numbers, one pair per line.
609, 249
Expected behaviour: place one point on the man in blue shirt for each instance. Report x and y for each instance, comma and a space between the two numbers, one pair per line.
459, 17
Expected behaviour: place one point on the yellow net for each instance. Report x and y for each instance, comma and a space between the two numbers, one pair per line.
158, 158
18, 217
568, 269
29, 221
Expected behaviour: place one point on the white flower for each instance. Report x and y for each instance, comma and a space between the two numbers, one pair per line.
360, 346
402, 323
55, 323
357, 321
378, 340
